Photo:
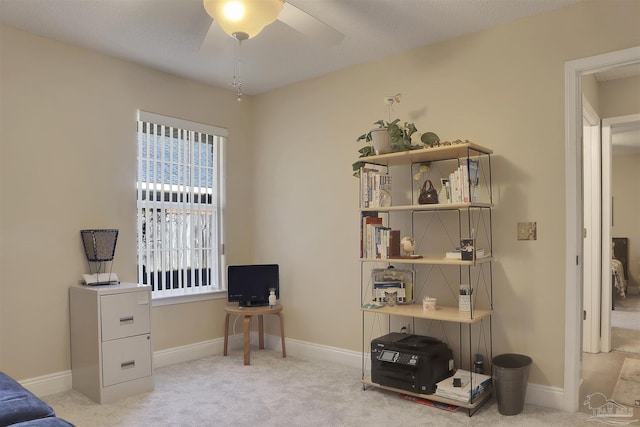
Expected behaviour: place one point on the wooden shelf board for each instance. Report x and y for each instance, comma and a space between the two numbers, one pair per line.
476, 403
428, 260
442, 313
455, 151
430, 207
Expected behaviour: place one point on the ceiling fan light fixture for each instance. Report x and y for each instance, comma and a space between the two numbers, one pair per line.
243, 19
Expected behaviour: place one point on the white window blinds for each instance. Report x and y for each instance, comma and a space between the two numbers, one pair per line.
179, 178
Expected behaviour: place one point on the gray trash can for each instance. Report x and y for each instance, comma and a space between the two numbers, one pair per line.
510, 376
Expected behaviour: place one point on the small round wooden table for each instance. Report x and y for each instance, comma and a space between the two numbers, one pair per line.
248, 313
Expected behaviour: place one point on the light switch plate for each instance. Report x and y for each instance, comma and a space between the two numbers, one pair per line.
527, 231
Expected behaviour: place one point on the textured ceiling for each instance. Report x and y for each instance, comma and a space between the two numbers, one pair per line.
168, 34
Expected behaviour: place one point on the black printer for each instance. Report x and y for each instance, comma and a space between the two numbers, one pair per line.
409, 362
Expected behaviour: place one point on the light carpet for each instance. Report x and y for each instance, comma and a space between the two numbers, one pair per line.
627, 389
276, 391
628, 319
627, 340
627, 313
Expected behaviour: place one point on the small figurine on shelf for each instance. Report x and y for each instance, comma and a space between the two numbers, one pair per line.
391, 298
272, 298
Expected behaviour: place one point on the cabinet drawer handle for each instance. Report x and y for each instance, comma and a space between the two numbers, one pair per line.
126, 320
128, 365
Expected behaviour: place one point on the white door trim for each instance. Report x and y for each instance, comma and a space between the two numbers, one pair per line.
605, 338
574, 70
592, 277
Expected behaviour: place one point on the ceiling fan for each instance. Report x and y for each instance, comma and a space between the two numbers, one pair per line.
243, 19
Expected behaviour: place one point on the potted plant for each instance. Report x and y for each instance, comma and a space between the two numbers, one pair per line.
390, 136
399, 139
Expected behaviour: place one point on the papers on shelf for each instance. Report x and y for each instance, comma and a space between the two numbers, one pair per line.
472, 386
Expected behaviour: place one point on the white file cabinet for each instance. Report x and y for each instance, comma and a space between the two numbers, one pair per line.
111, 351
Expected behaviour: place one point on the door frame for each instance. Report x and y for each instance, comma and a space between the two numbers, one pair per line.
592, 284
574, 70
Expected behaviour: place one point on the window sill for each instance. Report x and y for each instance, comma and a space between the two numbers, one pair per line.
181, 296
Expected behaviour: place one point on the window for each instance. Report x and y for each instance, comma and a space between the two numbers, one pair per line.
179, 177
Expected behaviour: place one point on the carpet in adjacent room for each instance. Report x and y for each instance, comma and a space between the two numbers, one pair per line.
627, 389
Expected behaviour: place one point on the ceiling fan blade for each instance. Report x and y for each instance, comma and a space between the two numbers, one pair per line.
310, 26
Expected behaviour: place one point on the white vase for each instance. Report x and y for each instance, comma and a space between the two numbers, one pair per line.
381, 141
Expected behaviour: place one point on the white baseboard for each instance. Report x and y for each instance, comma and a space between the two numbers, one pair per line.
539, 395
316, 351
48, 384
544, 395
188, 353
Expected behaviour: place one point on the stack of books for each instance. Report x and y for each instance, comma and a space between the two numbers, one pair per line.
463, 386
377, 240
462, 185
375, 188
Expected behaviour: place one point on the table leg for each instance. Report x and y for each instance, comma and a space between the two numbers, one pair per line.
226, 333
261, 332
284, 351
247, 332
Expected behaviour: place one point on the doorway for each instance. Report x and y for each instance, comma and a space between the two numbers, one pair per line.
621, 319
574, 70
611, 234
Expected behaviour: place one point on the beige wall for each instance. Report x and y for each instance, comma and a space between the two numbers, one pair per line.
619, 97
68, 162
502, 88
68, 115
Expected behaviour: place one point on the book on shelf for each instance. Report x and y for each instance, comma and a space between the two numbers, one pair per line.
394, 243
376, 239
373, 232
381, 189
368, 218
454, 254
445, 190
375, 188
462, 183
471, 385
381, 242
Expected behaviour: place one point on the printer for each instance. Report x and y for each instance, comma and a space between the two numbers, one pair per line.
410, 362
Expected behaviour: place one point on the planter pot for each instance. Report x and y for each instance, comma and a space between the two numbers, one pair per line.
381, 141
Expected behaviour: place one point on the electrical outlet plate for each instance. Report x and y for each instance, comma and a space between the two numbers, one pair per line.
405, 328
527, 231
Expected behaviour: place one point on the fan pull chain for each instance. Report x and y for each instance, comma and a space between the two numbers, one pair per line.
237, 83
